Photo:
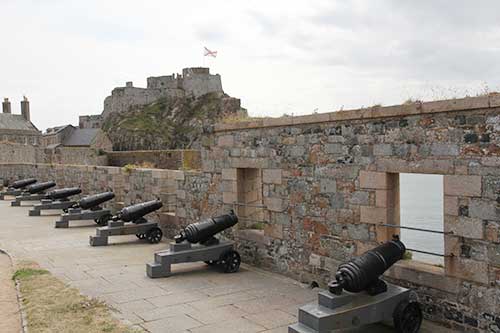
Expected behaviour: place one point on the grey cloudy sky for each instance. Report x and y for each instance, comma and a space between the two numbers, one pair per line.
277, 56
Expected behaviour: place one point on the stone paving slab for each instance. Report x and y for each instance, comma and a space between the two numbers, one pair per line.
196, 299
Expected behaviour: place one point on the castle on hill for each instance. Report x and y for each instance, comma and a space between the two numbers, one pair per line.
194, 81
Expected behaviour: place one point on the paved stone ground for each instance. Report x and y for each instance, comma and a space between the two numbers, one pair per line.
197, 299
10, 319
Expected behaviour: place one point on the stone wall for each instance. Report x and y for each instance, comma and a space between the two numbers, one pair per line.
20, 137
159, 159
90, 121
330, 180
75, 156
19, 153
122, 99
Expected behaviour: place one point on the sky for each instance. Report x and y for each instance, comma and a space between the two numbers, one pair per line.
278, 57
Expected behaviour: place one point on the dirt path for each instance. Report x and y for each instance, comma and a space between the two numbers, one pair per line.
10, 320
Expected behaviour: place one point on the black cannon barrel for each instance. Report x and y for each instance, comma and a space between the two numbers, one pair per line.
94, 200
200, 232
22, 183
135, 212
40, 187
63, 193
362, 272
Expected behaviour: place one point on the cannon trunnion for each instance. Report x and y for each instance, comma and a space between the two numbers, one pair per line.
197, 242
359, 297
128, 221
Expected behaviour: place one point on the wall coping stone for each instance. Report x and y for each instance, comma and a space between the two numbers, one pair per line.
459, 104
177, 174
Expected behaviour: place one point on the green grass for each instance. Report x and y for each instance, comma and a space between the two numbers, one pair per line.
24, 273
128, 168
408, 255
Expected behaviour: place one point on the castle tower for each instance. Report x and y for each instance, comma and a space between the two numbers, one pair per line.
6, 106
25, 108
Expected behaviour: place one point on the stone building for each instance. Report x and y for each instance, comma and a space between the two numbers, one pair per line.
18, 128
194, 81
73, 145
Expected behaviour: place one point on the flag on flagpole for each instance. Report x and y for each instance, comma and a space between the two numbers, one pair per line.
209, 53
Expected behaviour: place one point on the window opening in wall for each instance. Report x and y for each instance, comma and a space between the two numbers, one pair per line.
421, 199
249, 206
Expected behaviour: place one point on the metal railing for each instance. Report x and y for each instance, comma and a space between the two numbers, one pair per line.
422, 230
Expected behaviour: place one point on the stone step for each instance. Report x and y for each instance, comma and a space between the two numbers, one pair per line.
300, 328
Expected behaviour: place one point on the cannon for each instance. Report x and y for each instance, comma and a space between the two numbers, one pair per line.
64, 193
16, 188
40, 187
358, 296
128, 221
135, 213
87, 208
22, 183
197, 242
56, 199
34, 192
92, 202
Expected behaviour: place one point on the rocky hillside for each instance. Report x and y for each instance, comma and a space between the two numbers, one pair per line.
173, 123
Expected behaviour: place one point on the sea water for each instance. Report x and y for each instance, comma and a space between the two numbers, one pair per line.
421, 206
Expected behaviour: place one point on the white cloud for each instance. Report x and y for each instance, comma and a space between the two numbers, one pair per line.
278, 57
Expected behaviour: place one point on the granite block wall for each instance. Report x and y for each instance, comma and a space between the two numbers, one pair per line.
329, 182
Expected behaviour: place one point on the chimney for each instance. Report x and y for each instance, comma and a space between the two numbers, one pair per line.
25, 108
129, 84
6, 105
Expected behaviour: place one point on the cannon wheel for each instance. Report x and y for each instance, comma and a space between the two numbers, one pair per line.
230, 261
407, 317
154, 235
103, 220
141, 236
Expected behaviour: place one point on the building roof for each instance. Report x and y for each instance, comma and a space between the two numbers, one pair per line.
81, 137
15, 122
58, 129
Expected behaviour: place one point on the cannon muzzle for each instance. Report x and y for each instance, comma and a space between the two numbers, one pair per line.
135, 212
201, 232
363, 272
22, 183
94, 200
63, 193
40, 187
